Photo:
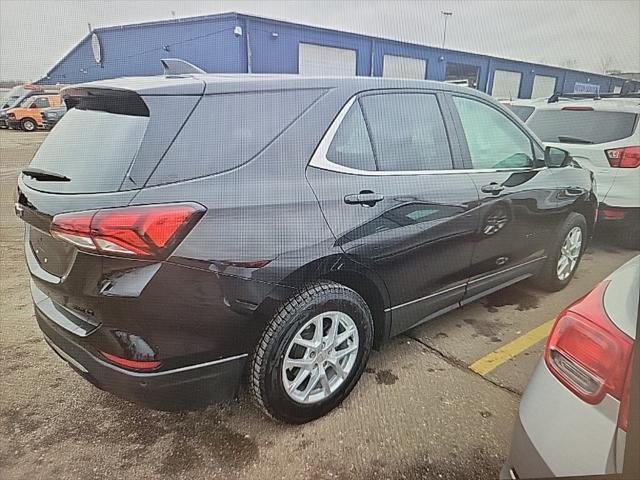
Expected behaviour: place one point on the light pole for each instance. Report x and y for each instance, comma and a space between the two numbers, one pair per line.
446, 17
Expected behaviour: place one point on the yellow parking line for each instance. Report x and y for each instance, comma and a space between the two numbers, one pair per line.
496, 358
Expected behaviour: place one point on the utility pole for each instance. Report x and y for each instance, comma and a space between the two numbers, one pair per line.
446, 17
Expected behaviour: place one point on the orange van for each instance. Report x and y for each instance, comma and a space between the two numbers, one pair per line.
27, 116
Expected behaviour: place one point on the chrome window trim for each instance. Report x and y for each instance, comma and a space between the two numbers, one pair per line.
319, 158
426, 297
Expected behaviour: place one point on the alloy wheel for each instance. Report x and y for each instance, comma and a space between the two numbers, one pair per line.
320, 357
569, 253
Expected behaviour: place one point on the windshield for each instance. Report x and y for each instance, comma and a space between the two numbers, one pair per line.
13, 96
77, 149
582, 126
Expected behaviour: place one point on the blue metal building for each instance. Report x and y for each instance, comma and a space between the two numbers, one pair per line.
238, 43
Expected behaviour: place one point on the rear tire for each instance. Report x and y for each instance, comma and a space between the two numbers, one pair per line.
327, 329
28, 125
564, 254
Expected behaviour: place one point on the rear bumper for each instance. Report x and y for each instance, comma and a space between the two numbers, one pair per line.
181, 388
618, 217
524, 459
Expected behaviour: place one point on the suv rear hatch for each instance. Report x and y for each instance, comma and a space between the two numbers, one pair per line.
99, 155
588, 134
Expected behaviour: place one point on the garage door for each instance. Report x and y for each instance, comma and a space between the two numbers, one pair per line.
316, 60
543, 86
506, 84
404, 67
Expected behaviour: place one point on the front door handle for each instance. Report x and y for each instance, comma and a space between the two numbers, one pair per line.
492, 188
574, 191
365, 197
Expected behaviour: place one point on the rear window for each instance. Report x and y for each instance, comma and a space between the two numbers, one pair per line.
93, 148
575, 126
228, 130
522, 112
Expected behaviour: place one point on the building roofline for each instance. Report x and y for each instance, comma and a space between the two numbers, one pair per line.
421, 45
237, 15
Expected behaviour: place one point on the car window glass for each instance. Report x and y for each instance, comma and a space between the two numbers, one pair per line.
582, 126
521, 111
39, 103
407, 132
351, 146
493, 139
226, 131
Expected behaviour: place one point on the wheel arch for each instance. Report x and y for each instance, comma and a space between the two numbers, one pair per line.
345, 271
24, 119
588, 208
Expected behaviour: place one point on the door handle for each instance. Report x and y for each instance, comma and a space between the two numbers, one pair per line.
365, 197
493, 188
573, 191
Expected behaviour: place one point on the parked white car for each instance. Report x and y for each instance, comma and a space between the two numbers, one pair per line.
574, 414
603, 136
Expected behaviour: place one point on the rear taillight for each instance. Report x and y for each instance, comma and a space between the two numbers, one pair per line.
137, 365
613, 214
627, 157
149, 231
587, 352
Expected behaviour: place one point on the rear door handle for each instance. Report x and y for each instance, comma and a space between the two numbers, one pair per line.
493, 188
365, 197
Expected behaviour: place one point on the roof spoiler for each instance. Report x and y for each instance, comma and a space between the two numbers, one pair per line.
176, 66
124, 102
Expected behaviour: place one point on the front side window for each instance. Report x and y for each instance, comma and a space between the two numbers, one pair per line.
42, 103
407, 132
493, 139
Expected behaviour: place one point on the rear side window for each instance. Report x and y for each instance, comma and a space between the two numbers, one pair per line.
582, 126
407, 132
91, 147
228, 130
351, 146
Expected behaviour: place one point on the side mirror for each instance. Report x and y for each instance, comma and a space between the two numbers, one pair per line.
33, 105
556, 157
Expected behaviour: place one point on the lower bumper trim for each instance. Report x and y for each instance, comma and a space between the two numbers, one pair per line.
185, 388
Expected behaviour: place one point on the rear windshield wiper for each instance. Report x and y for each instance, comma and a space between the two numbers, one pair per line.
44, 175
566, 139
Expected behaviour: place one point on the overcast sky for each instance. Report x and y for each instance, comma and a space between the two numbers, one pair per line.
582, 34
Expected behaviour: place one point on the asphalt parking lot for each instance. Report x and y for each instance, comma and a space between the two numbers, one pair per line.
437, 402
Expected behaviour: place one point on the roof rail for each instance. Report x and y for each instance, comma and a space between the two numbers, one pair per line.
177, 66
594, 96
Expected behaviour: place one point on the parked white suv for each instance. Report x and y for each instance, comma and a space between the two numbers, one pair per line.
603, 136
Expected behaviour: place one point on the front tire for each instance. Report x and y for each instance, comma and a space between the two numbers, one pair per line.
312, 353
28, 125
564, 255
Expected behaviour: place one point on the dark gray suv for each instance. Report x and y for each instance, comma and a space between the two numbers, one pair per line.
184, 230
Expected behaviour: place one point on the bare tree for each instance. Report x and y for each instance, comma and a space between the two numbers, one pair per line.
606, 62
569, 63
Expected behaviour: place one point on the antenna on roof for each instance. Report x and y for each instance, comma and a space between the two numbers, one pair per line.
176, 66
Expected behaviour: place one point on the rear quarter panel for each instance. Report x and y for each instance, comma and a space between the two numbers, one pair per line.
571, 436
